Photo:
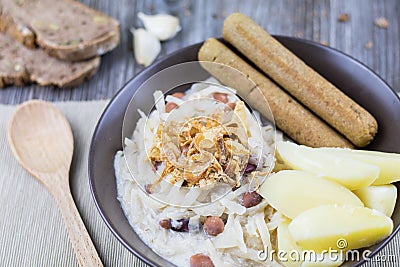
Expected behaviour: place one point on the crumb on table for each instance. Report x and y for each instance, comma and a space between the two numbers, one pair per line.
382, 23
369, 45
344, 17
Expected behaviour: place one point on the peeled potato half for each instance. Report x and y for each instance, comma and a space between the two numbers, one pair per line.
379, 197
388, 163
292, 192
339, 227
351, 173
291, 253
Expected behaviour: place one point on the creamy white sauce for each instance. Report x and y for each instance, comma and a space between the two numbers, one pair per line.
144, 213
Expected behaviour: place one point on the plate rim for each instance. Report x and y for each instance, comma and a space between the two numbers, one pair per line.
144, 71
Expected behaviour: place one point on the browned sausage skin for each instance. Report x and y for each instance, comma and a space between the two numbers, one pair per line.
300, 80
289, 115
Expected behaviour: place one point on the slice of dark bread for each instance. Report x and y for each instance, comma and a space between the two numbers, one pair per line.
20, 65
65, 29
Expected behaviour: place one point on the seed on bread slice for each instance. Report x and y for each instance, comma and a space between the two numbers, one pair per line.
65, 29
20, 65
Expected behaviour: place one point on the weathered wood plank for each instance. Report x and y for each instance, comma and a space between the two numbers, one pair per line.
311, 19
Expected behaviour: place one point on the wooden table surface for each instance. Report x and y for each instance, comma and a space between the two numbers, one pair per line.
316, 20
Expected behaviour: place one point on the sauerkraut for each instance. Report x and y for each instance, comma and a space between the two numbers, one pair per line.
205, 157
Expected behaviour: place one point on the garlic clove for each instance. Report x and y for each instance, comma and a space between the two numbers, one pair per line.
146, 46
163, 26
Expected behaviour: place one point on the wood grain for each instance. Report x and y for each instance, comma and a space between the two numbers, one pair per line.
34, 135
310, 19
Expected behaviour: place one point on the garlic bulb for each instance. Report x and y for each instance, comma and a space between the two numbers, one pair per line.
163, 26
146, 46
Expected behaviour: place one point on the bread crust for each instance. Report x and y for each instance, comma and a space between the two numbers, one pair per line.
20, 65
85, 51
30, 35
289, 115
91, 68
20, 33
18, 79
301, 81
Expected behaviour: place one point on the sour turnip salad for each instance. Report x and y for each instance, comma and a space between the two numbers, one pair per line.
187, 180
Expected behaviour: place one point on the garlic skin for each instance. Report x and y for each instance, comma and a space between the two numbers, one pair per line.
163, 26
146, 46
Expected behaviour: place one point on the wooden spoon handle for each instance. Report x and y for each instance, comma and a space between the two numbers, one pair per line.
82, 244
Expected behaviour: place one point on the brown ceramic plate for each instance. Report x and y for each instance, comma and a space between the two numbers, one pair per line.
354, 78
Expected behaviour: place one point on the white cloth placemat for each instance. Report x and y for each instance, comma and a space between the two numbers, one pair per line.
32, 232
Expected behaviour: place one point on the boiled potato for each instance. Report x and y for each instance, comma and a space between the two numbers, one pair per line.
353, 174
339, 227
291, 256
388, 163
291, 192
379, 197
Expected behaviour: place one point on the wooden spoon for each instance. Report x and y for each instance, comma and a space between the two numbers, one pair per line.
41, 140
